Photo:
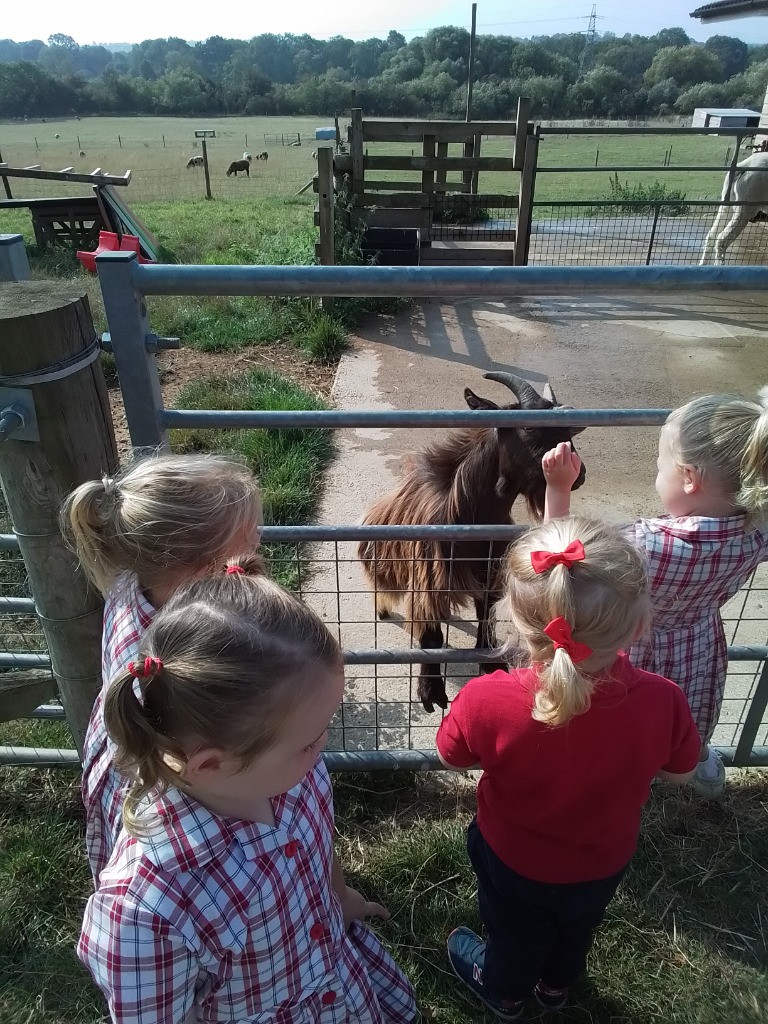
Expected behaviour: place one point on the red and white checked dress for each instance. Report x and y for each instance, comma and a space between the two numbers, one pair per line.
237, 921
695, 565
127, 615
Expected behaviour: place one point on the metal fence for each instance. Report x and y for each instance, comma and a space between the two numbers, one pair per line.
626, 233
381, 722
634, 227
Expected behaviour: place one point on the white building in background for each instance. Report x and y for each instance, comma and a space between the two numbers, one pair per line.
725, 117
730, 10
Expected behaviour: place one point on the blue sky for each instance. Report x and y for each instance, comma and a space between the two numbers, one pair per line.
143, 19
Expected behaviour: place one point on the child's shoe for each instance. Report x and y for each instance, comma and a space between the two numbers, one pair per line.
550, 998
709, 778
466, 953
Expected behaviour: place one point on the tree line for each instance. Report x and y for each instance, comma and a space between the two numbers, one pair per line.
616, 77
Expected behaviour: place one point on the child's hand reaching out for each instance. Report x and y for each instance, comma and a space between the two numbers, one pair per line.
561, 467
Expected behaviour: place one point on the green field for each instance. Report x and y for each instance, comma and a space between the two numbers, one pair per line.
157, 149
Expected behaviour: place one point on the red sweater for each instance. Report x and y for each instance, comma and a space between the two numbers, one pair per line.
563, 804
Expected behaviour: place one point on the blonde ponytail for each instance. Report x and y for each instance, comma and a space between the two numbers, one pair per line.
162, 516
753, 493
84, 520
564, 691
603, 598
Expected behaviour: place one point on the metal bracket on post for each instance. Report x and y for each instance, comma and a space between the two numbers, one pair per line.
129, 335
153, 343
18, 419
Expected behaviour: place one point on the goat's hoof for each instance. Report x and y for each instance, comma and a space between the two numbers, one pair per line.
432, 692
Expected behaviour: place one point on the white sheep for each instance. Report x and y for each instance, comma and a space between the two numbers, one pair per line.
750, 190
248, 157
57, 136
314, 154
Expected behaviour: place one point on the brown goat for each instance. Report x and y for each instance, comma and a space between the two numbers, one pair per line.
473, 476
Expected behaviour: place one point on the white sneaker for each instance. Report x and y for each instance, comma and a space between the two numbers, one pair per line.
708, 786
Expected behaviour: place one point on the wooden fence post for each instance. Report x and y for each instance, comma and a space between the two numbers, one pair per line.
207, 173
525, 200
356, 149
521, 132
325, 202
50, 358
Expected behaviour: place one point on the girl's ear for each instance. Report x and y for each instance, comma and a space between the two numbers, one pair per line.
691, 479
203, 764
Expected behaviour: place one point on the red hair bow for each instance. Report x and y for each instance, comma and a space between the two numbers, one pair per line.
235, 570
559, 632
150, 668
541, 561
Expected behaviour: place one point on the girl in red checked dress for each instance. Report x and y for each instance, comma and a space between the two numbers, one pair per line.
713, 483
223, 899
568, 749
162, 521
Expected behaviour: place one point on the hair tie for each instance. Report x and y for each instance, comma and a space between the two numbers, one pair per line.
235, 570
150, 668
541, 561
559, 632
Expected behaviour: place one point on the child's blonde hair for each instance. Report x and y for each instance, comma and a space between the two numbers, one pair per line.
604, 599
162, 515
235, 654
727, 437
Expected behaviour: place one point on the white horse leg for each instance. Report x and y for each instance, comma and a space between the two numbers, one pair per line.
739, 220
723, 212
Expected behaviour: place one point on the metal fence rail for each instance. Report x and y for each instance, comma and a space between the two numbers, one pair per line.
381, 723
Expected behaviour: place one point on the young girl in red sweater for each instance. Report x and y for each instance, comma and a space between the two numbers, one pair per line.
568, 748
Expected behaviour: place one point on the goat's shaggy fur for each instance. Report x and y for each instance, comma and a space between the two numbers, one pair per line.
750, 190
239, 165
471, 476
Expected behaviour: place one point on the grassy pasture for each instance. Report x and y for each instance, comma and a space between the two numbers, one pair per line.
159, 172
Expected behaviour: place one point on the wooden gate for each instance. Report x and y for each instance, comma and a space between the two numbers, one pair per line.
456, 224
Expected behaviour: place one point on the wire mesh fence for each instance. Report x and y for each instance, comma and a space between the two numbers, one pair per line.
472, 218
624, 233
381, 709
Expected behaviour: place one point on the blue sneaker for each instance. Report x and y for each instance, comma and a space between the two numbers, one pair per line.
466, 953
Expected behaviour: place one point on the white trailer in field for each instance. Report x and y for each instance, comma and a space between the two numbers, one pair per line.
725, 117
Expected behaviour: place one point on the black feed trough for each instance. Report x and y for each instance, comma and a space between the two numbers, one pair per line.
391, 247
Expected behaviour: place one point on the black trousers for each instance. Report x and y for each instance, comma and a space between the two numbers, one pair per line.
534, 930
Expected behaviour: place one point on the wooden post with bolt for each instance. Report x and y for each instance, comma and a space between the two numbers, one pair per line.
50, 370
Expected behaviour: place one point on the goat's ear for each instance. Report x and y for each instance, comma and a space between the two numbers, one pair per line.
476, 402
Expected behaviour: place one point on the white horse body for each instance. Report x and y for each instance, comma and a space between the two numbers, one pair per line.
750, 190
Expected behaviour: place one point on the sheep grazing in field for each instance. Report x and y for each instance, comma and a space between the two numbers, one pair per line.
314, 155
248, 157
81, 153
471, 476
239, 165
750, 190
264, 155
57, 136
194, 161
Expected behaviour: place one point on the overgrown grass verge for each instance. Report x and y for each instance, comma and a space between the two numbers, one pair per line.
288, 463
277, 232
683, 943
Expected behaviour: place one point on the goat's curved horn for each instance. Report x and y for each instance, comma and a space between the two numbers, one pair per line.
526, 394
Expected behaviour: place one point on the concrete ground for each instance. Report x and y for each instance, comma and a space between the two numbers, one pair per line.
643, 351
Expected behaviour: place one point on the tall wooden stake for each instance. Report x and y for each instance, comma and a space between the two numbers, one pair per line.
471, 62
43, 324
207, 172
325, 203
